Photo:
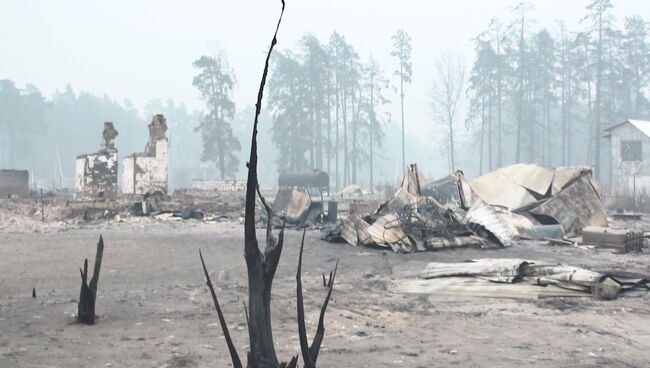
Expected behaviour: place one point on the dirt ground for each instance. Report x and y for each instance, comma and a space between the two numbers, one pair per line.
155, 310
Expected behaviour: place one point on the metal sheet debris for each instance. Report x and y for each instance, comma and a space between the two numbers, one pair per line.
411, 220
291, 204
516, 278
483, 217
498, 189
515, 202
574, 207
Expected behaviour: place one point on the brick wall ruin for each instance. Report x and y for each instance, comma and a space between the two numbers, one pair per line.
96, 173
147, 172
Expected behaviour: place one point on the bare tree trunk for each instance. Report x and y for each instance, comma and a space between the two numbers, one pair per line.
480, 165
261, 269
261, 266
336, 150
312, 137
451, 145
346, 158
520, 108
563, 103
590, 144
329, 128
401, 95
88, 293
599, 72
490, 131
319, 138
372, 131
569, 160
354, 136
499, 101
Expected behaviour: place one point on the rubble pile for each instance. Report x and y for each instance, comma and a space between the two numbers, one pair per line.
515, 202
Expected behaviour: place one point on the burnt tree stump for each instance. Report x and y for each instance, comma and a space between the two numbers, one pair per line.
88, 293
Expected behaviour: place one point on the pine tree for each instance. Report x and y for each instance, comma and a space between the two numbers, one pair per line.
375, 86
600, 21
288, 101
215, 83
402, 51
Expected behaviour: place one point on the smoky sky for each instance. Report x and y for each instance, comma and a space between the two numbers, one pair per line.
139, 50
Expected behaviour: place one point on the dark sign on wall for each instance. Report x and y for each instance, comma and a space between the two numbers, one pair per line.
631, 151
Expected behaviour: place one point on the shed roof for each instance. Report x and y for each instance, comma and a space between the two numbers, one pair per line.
642, 125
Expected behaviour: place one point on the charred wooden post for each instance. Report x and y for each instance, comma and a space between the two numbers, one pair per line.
261, 267
328, 282
88, 294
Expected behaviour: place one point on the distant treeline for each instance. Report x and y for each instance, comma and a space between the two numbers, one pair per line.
534, 94
544, 94
45, 135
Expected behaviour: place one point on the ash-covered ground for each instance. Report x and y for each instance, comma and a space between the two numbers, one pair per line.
155, 310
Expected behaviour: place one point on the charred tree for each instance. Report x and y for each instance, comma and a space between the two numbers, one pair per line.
261, 267
88, 294
310, 352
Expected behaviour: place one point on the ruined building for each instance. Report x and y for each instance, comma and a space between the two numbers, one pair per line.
146, 173
96, 173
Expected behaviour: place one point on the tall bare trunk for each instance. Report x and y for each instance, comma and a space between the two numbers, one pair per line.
599, 72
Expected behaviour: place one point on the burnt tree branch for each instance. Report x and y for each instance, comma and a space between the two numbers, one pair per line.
231, 347
310, 352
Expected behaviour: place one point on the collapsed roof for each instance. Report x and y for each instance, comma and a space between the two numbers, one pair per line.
518, 201
565, 196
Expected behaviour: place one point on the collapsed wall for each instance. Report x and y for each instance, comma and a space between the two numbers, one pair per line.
96, 173
147, 172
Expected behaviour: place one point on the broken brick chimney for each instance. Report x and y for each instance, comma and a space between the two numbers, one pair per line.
147, 173
96, 173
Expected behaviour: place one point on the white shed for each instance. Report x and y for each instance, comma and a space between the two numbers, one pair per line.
629, 155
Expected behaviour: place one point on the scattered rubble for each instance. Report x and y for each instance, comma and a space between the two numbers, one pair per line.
218, 185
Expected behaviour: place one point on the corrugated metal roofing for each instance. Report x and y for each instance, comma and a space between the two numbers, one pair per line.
642, 125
